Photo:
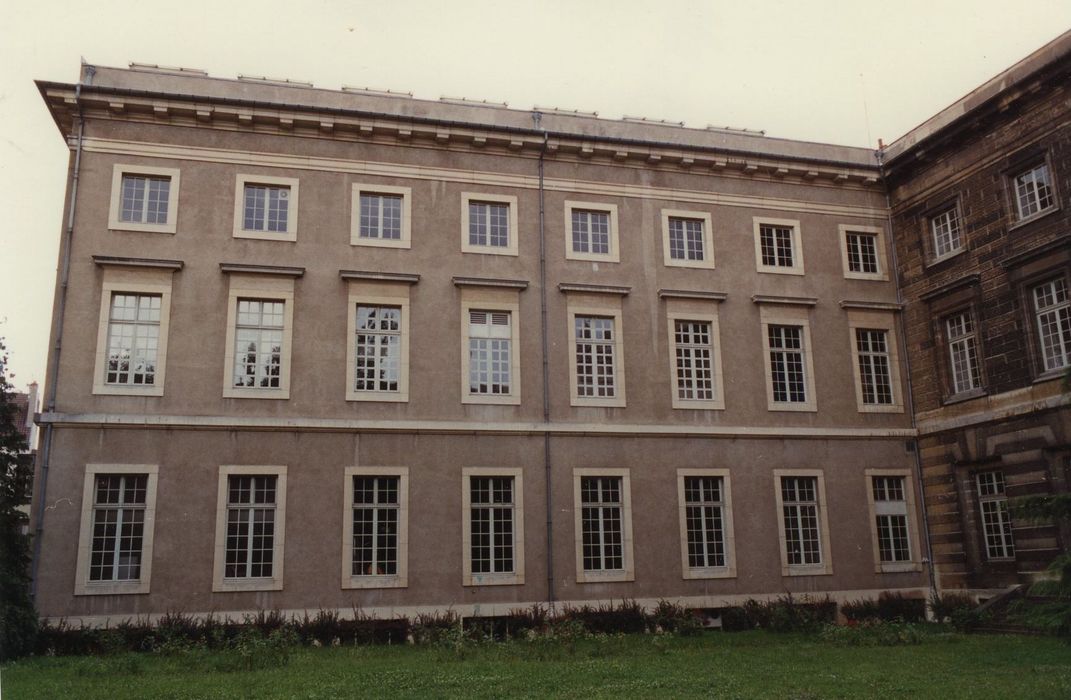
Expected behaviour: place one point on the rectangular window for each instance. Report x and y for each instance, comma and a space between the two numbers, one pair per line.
1033, 191
945, 227
705, 518
381, 216
250, 528
488, 224
996, 522
375, 517
250, 549
115, 539
803, 530
694, 351
491, 523
265, 208
786, 364
143, 199
596, 342
685, 239
891, 514
591, 231
258, 343
862, 251
778, 246
1053, 310
133, 339
601, 515
874, 366
962, 353
375, 527
377, 348
490, 353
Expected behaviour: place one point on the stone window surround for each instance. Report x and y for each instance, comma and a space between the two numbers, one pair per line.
628, 573
516, 577
115, 203
400, 579
275, 582
729, 570
912, 522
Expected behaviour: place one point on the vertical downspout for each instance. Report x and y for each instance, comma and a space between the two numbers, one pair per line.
547, 481
50, 404
910, 394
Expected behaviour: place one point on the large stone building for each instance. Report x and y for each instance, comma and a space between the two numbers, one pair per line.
327, 349
982, 224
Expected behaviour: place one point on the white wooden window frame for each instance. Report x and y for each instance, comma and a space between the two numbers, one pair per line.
615, 246
82, 584
797, 246
401, 578
606, 306
882, 275
1054, 204
516, 577
510, 201
968, 344
406, 193
707, 263
704, 312
132, 281
707, 572
369, 293
267, 288
1001, 503
116, 201
492, 300
240, 231
783, 315
275, 581
628, 573
915, 564
883, 321
945, 218
825, 568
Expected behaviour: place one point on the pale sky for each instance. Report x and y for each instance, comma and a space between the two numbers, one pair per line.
836, 71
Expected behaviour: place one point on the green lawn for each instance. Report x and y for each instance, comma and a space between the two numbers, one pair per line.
744, 665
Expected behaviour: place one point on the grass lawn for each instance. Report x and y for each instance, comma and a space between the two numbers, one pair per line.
744, 665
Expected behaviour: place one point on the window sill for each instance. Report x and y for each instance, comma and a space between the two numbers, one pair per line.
964, 396
790, 407
690, 264
933, 262
1033, 217
130, 226
386, 581
779, 270
1051, 374
489, 250
712, 572
282, 236
113, 588
501, 400
806, 571
868, 276
493, 580
380, 242
580, 402
377, 396
685, 405
605, 576
880, 408
899, 567
590, 257
108, 390
239, 393
256, 584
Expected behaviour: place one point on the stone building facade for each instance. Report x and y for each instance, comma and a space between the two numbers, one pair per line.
326, 349
981, 220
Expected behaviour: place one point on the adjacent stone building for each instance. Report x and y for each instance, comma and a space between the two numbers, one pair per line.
982, 225
326, 349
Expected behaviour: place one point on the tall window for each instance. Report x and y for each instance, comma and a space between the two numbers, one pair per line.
376, 508
595, 352
890, 512
492, 518
776, 245
694, 352
862, 249
381, 216
591, 231
962, 353
133, 339
377, 349
946, 232
874, 369
705, 521
489, 224
1053, 311
258, 343
490, 354
602, 513
996, 522
786, 364
250, 544
145, 199
266, 207
118, 527
685, 239
1033, 191
800, 520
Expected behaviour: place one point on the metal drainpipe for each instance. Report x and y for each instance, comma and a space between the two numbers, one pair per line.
910, 394
50, 406
547, 481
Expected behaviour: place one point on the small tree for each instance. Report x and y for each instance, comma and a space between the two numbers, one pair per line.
18, 620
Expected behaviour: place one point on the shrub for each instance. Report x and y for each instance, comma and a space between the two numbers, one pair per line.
255, 650
267, 621
946, 606
894, 606
676, 619
325, 627
735, 619
859, 610
789, 614
430, 628
626, 617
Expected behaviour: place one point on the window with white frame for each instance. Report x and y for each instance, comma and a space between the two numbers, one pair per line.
377, 348
143, 199
800, 522
375, 527
694, 353
687, 239
862, 250
380, 216
1053, 311
945, 228
596, 350
490, 353
996, 521
591, 231
786, 363
115, 541
602, 516
872, 348
491, 524
891, 518
778, 246
133, 339
704, 513
1033, 191
962, 353
250, 542
489, 223
266, 208
258, 343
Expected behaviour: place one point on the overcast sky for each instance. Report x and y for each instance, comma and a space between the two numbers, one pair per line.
835, 71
